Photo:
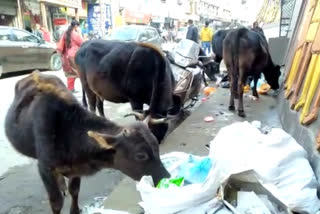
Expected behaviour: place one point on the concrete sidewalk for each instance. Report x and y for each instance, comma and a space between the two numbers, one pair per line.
193, 135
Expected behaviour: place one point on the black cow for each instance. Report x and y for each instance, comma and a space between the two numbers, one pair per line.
217, 44
129, 72
47, 123
246, 54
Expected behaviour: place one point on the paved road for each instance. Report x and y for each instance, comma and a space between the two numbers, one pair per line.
21, 190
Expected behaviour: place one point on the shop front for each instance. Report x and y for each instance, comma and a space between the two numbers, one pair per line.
8, 12
30, 10
56, 14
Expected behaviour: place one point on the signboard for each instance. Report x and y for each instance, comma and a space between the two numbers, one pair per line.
60, 19
136, 17
94, 18
65, 3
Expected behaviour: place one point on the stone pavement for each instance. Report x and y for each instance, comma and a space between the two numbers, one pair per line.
193, 135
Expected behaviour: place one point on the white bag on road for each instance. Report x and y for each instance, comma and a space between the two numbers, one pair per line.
276, 157
167, 201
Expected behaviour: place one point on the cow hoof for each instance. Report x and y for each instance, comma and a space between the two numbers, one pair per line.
232, 108
241, 113
255, 95
75, 211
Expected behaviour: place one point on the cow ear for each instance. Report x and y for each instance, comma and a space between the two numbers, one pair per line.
104, 141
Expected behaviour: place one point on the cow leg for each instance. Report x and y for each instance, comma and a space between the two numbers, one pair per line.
74, 188
100, 106
62, 184
254, 89
241, 81
92, 100
50, 181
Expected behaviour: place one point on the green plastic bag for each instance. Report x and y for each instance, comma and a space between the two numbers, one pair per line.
165, 183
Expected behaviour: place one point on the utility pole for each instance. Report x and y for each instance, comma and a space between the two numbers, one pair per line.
102, 17
19, 13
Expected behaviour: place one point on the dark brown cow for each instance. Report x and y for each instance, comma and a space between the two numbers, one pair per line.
123, 72
246, 53
47, 123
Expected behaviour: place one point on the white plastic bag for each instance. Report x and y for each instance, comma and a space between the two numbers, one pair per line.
276, 157
173, 200
279, 161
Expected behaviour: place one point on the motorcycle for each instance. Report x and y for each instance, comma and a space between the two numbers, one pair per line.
189, 65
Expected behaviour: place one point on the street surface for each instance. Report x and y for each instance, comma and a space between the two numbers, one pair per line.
21, 190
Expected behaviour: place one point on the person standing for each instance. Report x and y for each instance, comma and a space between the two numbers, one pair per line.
38, 32
46, 34
119, 20
85, 31
68, 46
192, 33
206, 37
257, 28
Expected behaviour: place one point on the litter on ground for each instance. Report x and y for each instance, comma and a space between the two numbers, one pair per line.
208, 119
248, 171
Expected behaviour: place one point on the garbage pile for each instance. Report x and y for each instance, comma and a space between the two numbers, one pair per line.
248, 170
262, 86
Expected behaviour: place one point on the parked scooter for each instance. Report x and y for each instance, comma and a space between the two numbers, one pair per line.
189, 70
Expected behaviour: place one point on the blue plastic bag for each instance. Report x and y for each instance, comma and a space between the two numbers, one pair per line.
195, 170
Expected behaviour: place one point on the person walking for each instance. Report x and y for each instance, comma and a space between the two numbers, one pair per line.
68, 46
206, 37
192, 33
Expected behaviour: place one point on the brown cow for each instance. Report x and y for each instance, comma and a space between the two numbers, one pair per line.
246, 53
47, 123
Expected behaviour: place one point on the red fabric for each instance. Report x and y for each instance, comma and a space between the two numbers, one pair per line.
76, 41
70, 83
60, 45
46, 35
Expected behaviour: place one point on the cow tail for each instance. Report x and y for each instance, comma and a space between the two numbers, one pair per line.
235, 59
235, 64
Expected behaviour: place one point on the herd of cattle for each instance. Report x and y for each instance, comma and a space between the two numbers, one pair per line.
46, 122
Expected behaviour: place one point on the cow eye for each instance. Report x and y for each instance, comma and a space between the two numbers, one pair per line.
141, 156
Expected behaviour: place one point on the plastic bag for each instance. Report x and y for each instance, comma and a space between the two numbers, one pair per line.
167, 201
166, 183
196, 169
276, 157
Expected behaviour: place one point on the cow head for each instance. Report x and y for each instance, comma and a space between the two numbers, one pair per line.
272, 74
136, 152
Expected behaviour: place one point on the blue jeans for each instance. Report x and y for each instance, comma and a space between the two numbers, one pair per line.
206, 46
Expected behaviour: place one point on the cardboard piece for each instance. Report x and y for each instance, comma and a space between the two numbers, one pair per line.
234, 193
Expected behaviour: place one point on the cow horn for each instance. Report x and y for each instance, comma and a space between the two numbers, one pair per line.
155, 121
140, 116
158, 121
